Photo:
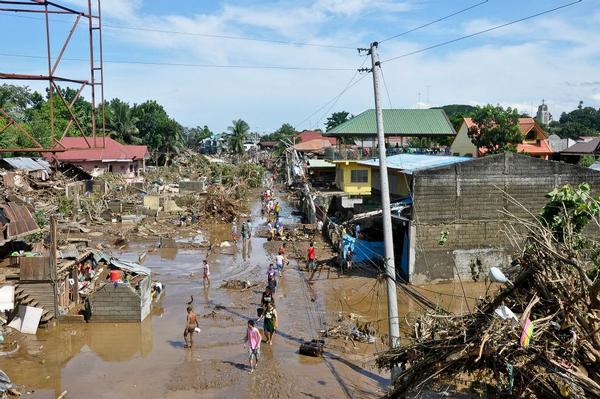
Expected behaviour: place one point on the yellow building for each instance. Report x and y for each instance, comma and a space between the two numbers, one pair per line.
352, 178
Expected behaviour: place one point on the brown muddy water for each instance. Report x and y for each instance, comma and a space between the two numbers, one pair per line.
148, 360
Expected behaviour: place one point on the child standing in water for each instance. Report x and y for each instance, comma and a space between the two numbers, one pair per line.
206, 272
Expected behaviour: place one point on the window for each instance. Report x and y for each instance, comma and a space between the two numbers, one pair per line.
359, 176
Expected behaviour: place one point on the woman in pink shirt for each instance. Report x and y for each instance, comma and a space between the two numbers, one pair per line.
253, 339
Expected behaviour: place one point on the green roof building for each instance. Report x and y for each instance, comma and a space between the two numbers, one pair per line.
397, 123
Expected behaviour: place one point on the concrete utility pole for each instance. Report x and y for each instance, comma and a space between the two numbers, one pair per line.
390, 265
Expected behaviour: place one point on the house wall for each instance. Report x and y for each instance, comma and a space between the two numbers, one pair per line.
465, 199
398, 183
462, 145
121, 303
117, 167
344, 182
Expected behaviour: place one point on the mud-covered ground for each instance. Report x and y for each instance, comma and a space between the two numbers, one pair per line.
148, 359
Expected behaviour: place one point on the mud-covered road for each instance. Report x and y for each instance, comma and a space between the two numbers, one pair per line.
148, 360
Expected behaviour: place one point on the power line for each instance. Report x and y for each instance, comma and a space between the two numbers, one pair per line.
204, 35
385, 86
483, 31
435, 21
194, 65
337, 96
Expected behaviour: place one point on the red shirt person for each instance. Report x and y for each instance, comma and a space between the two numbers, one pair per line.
312, 256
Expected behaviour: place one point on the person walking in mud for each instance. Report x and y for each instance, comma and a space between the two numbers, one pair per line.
269, 317
205, 272
191, 324
234, 230
253, 340
311, 257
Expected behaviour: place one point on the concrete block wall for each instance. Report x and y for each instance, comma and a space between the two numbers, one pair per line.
466, 200
120, 303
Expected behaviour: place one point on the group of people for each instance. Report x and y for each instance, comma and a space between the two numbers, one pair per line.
267, 311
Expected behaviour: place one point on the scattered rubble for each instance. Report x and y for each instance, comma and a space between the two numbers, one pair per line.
350, 328
547, 344
238, 284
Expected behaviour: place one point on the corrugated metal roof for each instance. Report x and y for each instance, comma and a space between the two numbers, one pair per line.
589, 147
22, 163
595, 166
410, 163
398, 122
320, 163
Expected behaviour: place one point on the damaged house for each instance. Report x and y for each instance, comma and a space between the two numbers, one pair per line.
455, 225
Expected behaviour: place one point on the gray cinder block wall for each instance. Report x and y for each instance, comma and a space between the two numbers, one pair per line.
121, 303
464, 199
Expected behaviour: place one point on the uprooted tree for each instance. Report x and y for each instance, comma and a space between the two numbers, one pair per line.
554, 300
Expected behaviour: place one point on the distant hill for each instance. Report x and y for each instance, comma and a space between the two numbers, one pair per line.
454, 109
456, 113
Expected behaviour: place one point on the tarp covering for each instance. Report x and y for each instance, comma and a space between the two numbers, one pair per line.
132, 267
364, 251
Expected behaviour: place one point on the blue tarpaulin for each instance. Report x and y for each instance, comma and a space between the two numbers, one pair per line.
364, 251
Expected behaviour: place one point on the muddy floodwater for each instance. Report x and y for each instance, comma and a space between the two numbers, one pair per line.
148, 359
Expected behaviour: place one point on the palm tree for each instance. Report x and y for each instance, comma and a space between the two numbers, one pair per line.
239, 133
121, 123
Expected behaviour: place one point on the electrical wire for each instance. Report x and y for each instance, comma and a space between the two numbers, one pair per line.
435, 21
192, 65
385, 86
483, 31
204, 35
333, 100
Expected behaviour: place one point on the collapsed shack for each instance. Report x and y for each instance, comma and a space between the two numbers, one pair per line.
539, 336
124, 299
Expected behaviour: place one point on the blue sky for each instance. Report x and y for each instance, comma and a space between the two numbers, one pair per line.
554, 57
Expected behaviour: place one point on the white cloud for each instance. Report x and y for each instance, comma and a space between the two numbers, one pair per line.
356, 7
118, 9
526, 63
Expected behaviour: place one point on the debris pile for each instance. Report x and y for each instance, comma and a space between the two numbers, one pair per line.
350, 328
537, 337
238, 284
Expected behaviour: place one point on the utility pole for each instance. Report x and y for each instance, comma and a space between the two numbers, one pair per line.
390, 265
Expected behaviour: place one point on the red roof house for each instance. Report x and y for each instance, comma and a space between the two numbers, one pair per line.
105, 155
310, 135
535, 140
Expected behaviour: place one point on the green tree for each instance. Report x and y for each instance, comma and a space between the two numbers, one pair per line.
496, 129
161, 134
121, 123
195, 135
583, 121
239, 132
336, 119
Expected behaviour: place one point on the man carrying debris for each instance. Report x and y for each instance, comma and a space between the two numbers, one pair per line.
312, 257
253, 340
190, 327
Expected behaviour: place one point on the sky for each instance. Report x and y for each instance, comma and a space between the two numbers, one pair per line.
554, 57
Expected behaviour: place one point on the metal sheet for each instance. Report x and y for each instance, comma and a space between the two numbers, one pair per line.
21, 222
7, 298
29, 164
28, 320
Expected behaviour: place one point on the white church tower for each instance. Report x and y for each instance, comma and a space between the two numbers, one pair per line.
543, 116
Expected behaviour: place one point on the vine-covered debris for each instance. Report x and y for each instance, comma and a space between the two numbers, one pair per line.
547, 344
